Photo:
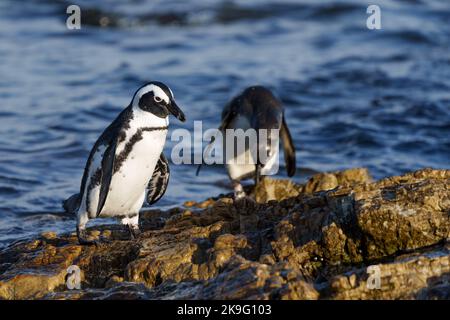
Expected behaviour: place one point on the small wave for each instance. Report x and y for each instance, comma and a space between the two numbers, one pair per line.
18, 181
9, 191
407, 36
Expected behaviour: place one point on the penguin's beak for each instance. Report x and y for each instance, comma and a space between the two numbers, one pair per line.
176, 111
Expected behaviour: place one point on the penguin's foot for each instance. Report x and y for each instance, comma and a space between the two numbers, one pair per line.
239, 192
239, 195
135, 232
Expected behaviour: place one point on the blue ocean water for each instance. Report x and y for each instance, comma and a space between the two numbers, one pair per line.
353, 96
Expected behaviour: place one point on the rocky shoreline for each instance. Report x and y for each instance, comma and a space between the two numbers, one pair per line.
339, 236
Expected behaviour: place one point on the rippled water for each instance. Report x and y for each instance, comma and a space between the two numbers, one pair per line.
353, 97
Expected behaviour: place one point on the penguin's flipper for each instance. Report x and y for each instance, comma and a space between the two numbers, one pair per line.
72, 203
227, 117
106, 174
289, 148
205, 152
160, 179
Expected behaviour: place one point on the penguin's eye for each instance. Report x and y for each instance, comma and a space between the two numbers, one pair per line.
157, 99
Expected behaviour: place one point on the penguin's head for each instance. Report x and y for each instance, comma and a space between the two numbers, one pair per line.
157, 98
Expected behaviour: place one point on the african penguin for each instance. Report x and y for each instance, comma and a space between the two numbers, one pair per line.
126, 159
256, 108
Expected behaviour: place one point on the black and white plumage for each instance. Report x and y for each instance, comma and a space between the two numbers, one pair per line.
160, 179
125, 160
256, 108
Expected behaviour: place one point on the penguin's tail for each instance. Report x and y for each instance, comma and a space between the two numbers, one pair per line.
71, 204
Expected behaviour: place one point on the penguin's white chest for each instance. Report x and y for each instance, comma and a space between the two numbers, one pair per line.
243, 164
128, 184
239, 164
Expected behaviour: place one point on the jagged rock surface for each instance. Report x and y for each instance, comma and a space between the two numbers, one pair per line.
339, 236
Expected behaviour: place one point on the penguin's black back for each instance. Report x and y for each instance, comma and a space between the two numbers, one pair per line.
113, 131
257, 103
261, 96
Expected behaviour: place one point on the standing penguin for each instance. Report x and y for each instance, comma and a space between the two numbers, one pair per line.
126, 159
255, 108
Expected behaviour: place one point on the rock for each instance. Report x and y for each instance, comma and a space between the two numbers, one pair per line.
49, 235
413, 276
271, 189
351, 177
320, 182
329, 181
339, 236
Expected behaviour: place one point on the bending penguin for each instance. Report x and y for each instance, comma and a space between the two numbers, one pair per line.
126, 160
255, 108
